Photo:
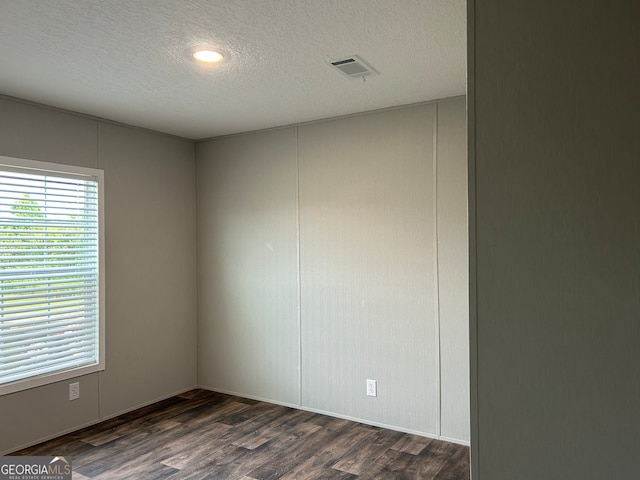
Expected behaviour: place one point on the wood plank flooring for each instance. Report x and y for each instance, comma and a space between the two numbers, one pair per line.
207, 435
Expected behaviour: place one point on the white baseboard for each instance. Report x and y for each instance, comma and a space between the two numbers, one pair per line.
337, 415
93, 422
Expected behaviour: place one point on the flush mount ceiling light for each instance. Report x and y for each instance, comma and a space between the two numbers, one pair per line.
207, 56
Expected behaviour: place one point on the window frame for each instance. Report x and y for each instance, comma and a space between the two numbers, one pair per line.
69, 171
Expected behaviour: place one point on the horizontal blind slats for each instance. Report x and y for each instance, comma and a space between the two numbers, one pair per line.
52, 314
49, 271
37, 192
58, 365
50, 175
64, 273
12, 288
50, 250
53, 292
48, 307
11, 239
69, 298
47, 262
13, 333
50, 189
63, 352
17, 356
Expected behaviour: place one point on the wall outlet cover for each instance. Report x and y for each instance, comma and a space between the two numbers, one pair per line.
372, 388
74, 391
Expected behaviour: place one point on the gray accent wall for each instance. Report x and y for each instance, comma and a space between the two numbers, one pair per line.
555, 188
150, 268
323, 256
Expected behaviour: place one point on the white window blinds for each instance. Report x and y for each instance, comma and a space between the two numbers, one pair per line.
50, 273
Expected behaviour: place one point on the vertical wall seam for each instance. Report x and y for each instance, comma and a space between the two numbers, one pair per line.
99, 166
197, 272
98, 156
299, 268
436, 273
472, 212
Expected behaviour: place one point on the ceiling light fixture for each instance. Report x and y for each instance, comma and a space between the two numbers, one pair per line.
207, 56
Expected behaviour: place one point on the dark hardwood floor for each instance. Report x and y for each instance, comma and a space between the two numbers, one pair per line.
207, 435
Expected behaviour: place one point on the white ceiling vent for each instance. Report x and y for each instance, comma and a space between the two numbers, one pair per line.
354, 67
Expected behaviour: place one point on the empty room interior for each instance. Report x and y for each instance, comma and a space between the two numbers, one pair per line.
417, 218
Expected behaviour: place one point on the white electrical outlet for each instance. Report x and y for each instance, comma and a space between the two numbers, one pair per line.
372, 388
74, 391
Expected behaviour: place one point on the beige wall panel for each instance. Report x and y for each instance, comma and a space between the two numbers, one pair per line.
151, 267
47, 135
37, 133
367, 267
453, 268
248, 279
43, 412
557, 172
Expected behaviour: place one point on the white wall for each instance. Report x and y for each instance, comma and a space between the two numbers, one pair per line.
150, 268
321, 248
247, 275
555, 174
453, 268
368, 259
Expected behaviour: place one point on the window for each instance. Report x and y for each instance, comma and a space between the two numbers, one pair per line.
51, 273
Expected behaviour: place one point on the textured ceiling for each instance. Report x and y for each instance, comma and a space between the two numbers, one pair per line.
130, 60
